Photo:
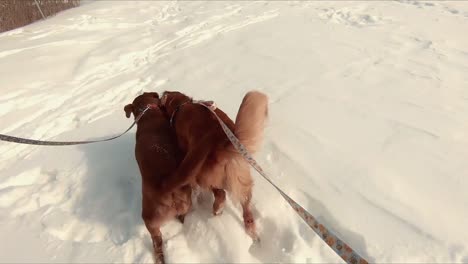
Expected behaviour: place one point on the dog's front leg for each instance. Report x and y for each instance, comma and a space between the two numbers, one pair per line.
157, 242
158, 247
153, 224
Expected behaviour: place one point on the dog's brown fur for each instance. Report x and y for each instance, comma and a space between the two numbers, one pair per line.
158, 156
211, 161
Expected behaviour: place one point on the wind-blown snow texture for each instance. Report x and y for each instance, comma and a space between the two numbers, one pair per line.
368, 127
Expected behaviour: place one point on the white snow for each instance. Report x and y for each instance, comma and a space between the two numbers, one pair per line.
368, 127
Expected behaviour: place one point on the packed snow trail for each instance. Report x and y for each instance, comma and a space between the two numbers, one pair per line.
367, 128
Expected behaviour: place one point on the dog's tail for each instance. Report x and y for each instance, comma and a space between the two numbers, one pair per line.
250, 120
249, 126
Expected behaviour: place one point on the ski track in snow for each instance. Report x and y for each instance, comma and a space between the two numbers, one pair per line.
380, 129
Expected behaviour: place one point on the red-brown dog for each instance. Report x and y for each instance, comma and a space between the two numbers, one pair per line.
211, 161
158, 156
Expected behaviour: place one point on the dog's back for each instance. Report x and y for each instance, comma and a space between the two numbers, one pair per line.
156, 149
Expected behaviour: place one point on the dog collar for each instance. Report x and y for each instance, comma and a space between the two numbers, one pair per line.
210, 104
177, 110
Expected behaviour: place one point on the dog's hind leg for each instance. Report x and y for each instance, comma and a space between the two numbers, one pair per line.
249, 221
240, 184
184, 205
220, 199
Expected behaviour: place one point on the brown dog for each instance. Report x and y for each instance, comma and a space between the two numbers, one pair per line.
158, 156
211, 161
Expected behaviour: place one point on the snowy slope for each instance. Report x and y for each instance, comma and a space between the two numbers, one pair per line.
368, 127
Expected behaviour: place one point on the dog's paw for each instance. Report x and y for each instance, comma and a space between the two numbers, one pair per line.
256, 240
218, 208
256, 246
181, 218
217, 212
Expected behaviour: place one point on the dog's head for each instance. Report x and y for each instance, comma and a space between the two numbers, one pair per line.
171, 100
140, 103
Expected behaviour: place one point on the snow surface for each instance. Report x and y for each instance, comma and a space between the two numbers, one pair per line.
368, 127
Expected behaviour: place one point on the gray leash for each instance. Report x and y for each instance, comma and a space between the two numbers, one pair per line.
68, 143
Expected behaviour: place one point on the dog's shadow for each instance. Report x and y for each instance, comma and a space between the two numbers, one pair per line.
112, 188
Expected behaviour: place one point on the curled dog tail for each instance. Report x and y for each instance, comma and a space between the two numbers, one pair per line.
249, 127
250, 120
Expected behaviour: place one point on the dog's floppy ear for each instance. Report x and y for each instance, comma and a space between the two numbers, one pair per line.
128, 110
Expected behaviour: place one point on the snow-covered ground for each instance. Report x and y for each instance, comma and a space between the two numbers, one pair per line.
368, 127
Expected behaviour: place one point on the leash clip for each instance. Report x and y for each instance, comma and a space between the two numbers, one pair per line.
210, 104
151, 106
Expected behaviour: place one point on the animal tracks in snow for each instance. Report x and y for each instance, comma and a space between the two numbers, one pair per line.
351, 16
359, 16
433, 5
